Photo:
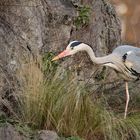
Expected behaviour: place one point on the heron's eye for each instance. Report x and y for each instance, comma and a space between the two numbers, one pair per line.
72, 47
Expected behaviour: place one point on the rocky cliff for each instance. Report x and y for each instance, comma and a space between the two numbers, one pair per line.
29, 28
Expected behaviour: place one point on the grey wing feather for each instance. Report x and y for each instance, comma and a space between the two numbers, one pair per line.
121, 50
135, 61
133, 56
138, 53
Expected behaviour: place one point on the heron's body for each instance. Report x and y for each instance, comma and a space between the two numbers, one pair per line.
124, 59
127, 60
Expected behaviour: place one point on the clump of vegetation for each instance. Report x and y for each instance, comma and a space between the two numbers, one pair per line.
55, 101
84, 15
47, 65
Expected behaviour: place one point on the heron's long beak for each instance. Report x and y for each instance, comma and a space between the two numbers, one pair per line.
61, 55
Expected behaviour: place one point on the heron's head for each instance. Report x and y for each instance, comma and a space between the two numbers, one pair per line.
72, 48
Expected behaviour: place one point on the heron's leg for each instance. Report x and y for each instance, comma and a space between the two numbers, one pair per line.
127, 99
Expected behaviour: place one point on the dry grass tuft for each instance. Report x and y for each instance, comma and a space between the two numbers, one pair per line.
55, 101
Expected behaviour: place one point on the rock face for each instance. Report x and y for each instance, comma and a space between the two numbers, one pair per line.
30, 27
7, 132
47, 135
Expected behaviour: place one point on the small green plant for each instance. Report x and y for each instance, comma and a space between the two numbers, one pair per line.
47, 65
84, 16
25, 130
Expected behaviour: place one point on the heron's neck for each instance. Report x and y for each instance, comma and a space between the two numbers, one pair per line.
97, 60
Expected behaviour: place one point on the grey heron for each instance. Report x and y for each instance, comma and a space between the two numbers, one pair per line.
124, 59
